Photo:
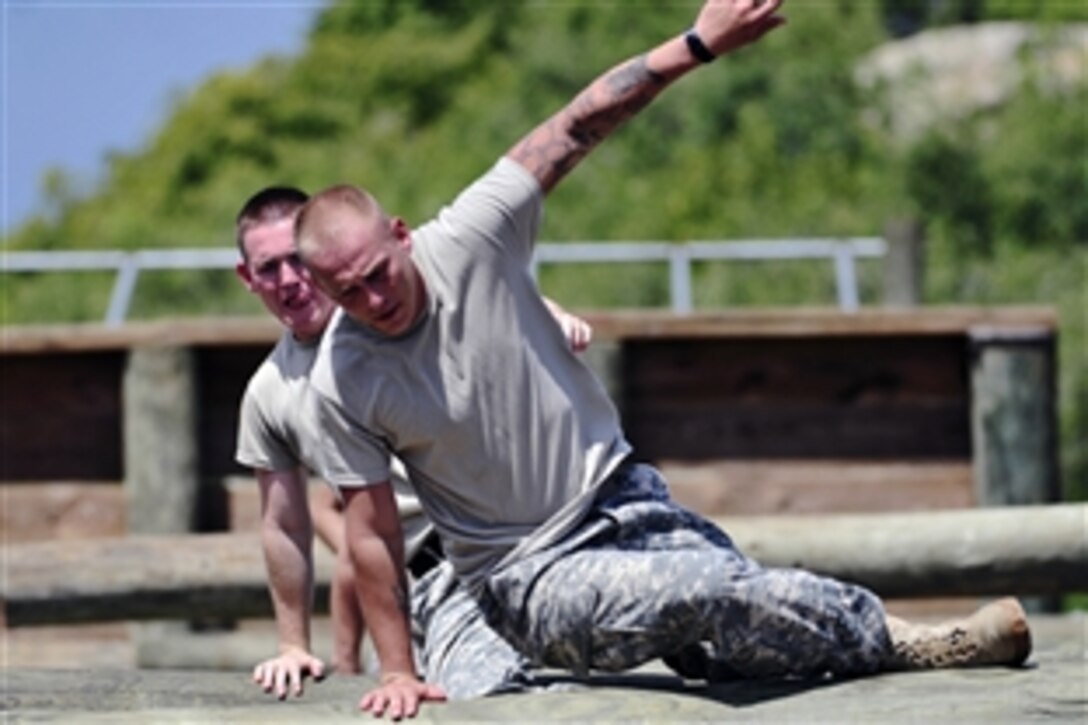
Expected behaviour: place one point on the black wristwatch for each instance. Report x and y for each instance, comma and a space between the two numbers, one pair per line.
698, 47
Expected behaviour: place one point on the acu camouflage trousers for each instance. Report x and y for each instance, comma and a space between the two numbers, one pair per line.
644, 578
454, 645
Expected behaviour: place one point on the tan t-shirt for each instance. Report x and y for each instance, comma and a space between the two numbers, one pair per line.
273, 430
504, 431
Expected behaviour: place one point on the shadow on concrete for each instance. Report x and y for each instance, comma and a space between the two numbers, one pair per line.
737, 693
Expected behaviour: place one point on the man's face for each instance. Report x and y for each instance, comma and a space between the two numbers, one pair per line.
369, 272
274, 273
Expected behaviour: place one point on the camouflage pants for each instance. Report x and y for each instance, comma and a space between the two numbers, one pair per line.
644, 578
455, 648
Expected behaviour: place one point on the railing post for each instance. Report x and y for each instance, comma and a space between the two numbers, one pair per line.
680, 279
846, 278
1014, 423
1013, 420
162, 472
162, 476
904, 263
121, 297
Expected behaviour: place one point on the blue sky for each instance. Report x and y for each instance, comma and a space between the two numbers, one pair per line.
83, 78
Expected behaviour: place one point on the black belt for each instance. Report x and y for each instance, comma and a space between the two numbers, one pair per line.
428, 557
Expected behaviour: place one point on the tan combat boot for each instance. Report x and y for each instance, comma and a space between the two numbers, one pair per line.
997, 634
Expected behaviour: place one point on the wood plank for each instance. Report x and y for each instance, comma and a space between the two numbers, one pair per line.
77, 509
61, 416
754, 488
24, 339
799, 431
886, 384
610, 324
1010, 550
900, 397
989, 551
61, 510
63, 419
222, 375
841, 370
816, 322
184, 576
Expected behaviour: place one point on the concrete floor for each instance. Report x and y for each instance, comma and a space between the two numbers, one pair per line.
1053, 687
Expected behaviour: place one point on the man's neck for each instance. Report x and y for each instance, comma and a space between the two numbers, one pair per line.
308, 340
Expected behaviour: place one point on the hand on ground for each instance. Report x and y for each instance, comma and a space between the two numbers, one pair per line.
284, 674
399, 695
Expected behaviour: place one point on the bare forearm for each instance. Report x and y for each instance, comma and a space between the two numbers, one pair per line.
552, 149
328, 519
290, 582
383, 593
347, 618
555, 147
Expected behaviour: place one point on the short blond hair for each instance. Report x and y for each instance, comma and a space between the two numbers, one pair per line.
314, 224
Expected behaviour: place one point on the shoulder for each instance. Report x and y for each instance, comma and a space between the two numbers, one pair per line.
345, 345
499, 207
507, 183
270, 374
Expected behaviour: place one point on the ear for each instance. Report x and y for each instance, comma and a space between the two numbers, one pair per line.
242, 270
401, 231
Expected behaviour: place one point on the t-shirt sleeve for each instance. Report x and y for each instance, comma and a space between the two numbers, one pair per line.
351, 455
260, 443
499, 213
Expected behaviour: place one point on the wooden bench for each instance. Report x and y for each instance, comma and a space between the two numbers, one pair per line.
753, 412
754, 416
807, 411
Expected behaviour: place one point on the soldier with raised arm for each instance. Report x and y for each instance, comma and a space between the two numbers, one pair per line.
573, 549
277, 442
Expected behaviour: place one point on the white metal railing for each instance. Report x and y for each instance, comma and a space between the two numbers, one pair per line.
679, 256
843, 253
127, 264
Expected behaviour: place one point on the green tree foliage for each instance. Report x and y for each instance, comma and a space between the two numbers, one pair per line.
415, 98
905, 17
1041, 167
945, 179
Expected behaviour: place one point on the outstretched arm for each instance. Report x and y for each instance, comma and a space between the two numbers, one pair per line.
556, 146
286, 537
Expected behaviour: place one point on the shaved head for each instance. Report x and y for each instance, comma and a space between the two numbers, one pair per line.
267, 206
361, 258
328, 214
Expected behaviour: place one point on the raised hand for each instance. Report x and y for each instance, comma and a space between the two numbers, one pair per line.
725, 25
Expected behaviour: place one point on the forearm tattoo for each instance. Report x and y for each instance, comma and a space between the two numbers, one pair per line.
556, 146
